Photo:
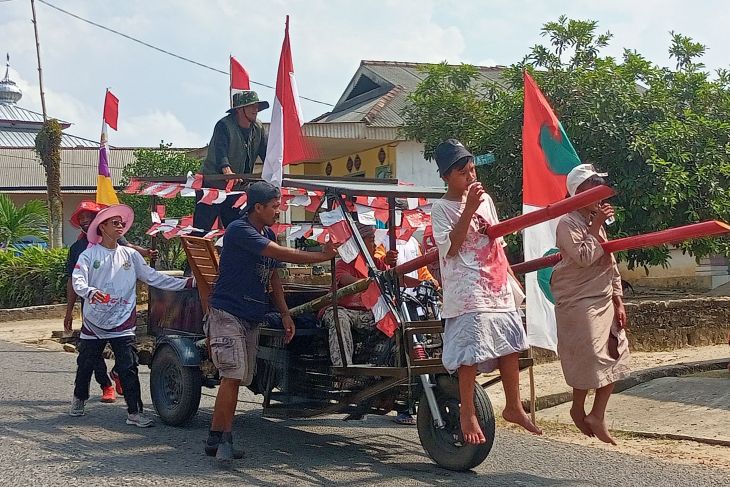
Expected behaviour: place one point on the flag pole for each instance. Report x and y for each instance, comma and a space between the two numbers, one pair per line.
531, 373
230, 80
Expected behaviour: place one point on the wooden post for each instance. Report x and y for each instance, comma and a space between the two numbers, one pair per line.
532, 386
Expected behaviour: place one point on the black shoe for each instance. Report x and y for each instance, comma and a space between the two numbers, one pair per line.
213, 442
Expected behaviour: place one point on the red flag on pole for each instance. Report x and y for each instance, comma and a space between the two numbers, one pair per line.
239, 76
111, 109
286, 141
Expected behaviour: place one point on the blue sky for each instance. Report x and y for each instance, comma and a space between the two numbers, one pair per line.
165, 98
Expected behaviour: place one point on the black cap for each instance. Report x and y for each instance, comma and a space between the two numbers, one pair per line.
260, 192
448, 153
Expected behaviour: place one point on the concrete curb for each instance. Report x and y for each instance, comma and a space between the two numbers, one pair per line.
640, 377
672, 436
35, 312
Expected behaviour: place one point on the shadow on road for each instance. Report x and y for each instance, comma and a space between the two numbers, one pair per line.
277, 452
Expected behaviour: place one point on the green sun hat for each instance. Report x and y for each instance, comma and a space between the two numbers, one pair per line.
246, 98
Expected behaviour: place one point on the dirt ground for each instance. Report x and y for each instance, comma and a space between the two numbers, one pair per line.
548, 380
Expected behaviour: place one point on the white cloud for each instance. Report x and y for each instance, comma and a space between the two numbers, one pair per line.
149, 129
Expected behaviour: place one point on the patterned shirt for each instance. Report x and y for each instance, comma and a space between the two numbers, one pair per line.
475, 279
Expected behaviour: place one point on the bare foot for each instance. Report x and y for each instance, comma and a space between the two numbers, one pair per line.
520, 417
470, 428
579, 417
598, 427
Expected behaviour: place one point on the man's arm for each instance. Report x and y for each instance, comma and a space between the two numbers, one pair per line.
294, 256
474, 198
70, 293
70, 302
277, 296
157, 279
263, 145
219, 142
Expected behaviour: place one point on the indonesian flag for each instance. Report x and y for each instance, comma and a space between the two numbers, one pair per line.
239, 78
286, 142
105, 193
547, 158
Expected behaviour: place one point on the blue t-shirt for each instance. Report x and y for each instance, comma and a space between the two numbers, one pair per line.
243, 278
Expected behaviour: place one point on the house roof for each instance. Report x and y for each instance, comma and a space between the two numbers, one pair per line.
13, 115
22, 171
378, 92
11, 138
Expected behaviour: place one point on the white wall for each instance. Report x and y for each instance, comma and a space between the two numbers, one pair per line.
413, 168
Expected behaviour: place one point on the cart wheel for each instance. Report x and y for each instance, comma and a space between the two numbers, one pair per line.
443, 444
175, 388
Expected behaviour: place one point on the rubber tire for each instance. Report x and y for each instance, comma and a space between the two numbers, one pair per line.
190, 379
438, 443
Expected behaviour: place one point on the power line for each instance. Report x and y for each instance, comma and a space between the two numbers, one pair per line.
164, 51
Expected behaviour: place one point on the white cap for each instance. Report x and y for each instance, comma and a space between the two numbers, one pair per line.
579, 174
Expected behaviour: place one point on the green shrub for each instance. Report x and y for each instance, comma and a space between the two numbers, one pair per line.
34, 277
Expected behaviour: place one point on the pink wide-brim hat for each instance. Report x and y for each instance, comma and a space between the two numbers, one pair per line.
123, 211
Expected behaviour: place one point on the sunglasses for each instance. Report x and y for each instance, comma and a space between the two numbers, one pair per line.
117, 223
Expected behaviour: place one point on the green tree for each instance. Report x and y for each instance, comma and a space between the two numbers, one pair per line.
162, 162
30, 219
662, 134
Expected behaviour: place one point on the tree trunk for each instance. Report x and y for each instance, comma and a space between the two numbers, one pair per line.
55, 204
48, 147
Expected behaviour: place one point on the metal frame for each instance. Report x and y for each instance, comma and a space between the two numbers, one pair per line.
392, 376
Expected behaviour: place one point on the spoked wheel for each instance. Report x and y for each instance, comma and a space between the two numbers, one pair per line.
445, 445
175, 388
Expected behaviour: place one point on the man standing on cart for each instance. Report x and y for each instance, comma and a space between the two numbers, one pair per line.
238, 140
247, 283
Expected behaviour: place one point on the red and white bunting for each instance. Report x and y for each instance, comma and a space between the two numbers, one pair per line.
163, 190
133, 186
279, 228
384, 318
241, 201
348, 250
213, 196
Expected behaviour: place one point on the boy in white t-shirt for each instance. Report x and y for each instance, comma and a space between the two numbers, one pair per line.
483, 329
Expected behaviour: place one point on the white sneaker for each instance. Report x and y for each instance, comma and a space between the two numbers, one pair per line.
77, 407
140, 420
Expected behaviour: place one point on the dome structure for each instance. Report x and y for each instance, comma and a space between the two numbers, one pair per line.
10, 94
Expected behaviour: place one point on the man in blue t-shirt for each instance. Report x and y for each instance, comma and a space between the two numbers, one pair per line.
247, 284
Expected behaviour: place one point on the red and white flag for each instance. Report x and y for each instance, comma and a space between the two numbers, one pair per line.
239, 78
286, 141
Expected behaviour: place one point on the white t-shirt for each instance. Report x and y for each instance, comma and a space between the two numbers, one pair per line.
475, 279
114, 272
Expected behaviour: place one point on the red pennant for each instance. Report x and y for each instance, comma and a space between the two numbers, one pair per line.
361, 265
209, 196
197, 182
370, 296
111, 109
239, 76
133, 186
388, 324
240, 201
279, 228
314, 204
340, 232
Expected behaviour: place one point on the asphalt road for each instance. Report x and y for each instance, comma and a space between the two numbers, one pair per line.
41, 445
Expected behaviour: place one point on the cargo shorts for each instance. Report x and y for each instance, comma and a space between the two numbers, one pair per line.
233, 345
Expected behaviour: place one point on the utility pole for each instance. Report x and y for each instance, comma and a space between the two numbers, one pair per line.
48, 147
38, 55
